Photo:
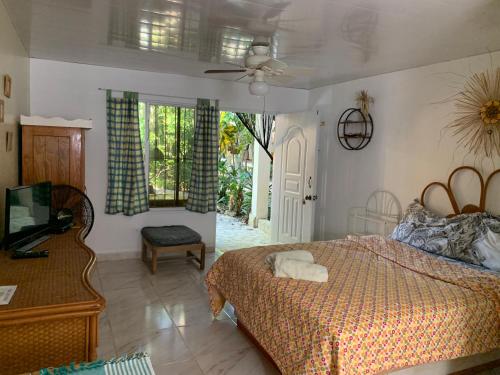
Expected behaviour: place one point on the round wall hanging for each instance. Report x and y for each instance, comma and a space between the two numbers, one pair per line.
354, 129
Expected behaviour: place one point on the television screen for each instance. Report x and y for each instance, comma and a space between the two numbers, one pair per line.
27, 212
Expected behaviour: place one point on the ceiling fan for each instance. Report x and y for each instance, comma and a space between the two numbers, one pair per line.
261, 67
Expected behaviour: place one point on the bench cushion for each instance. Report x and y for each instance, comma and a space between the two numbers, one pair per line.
170, 235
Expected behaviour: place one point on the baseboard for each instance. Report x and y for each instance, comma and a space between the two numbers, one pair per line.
118, 255
130, 254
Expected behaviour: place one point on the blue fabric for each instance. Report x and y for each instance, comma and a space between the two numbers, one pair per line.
93, 368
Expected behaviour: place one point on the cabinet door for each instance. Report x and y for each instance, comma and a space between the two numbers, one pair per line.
53, 154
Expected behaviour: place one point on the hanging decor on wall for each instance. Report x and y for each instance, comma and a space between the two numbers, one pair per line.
364, 100
355, 126
477, 122
7, 85
2, 111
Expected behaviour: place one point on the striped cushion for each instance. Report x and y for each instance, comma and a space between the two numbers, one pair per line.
134, 364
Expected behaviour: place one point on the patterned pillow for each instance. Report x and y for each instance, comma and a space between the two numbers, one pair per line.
423, 229
486, 246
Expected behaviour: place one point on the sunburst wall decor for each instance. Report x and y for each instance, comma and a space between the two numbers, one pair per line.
477, 122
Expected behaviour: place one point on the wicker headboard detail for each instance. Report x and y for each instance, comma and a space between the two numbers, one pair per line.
469, 208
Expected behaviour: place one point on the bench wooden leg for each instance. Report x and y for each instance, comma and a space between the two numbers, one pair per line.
144, 252
146, 247
154, 260
202, 256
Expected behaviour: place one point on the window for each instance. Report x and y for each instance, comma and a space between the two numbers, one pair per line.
168, 151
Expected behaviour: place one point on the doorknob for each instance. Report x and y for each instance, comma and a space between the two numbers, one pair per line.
309, 198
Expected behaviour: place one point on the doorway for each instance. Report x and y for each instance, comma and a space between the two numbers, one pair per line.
294, 193
244, 194
265, 201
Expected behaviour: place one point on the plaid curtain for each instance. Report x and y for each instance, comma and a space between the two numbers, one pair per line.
127, 189
204, 178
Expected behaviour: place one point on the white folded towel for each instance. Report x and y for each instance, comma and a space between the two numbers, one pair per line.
299, 270
302, 255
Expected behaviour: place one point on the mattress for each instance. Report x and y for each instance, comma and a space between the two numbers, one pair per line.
386, 306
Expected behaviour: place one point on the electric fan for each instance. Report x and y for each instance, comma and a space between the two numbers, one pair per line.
70, 207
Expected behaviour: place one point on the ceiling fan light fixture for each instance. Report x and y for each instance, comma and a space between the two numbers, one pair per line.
254, 60
259, 88
260, 50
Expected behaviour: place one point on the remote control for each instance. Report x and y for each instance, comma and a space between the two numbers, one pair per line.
30, 254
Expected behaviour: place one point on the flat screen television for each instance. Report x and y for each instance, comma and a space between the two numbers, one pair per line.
27, 214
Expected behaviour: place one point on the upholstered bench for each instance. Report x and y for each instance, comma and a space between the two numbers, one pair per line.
169, 239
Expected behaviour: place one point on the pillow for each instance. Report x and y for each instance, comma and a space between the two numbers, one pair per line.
418, 213
487, 243
487, 248
425, 230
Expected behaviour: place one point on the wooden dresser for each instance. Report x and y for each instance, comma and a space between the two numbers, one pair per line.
53, 149
52, 318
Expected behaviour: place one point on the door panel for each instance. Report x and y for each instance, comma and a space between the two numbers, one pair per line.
52, 159
64, 157
292, 186
294, 176
38, 174
53, 154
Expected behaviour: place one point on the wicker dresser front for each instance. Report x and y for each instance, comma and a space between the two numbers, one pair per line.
52, 318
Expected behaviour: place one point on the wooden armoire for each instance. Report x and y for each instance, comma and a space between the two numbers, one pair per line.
53, 149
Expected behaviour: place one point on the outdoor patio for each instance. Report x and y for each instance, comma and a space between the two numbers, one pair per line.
232, 234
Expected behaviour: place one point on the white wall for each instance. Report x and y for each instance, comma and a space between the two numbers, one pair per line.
13, 61
71, 91
408, 149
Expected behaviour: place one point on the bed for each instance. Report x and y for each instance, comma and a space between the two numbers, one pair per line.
386, 306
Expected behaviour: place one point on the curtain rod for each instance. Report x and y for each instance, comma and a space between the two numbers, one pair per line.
162, 95
186, 97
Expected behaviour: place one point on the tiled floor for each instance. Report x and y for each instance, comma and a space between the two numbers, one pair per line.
233, 234
167, 315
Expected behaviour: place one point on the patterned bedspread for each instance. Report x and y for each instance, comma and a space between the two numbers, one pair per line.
386, 306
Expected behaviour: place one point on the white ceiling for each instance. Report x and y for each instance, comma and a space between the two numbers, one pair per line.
341, 39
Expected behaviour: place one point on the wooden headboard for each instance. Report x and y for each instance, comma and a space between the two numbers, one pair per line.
469, 208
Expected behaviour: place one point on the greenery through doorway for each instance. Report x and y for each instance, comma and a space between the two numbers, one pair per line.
235, 167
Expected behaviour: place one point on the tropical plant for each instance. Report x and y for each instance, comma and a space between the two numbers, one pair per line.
226, 174
234, 139
170, 136
235, 178
228, 138
237, 188
246, 205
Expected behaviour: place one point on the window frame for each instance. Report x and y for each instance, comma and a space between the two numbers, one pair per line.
175, 204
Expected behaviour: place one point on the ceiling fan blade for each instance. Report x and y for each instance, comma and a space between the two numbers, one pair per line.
299, 71
274, 64
239, 79
211, 71
234, 64
280, 79
276, 10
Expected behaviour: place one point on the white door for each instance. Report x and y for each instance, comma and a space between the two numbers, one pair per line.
294, 177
